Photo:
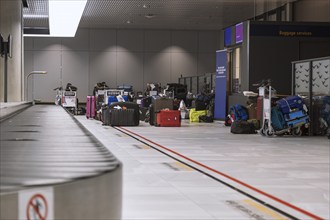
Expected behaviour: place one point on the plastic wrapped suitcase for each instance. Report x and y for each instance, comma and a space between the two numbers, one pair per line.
277, 118
123, 117
289, 103
168, 118
194, 115
90, 107
128, 105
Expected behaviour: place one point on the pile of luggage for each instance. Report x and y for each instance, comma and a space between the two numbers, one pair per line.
242, 119
289, 115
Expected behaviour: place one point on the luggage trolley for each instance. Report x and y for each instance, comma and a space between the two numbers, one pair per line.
290, 122
69, 101
267, 91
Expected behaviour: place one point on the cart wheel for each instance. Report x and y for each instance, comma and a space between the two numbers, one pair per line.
269, 133
262, 132
297, 132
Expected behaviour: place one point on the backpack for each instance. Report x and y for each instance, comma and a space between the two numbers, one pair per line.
240, 112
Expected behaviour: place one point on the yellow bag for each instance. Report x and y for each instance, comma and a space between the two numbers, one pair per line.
194, 115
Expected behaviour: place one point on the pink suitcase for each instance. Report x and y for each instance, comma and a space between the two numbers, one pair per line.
90, 107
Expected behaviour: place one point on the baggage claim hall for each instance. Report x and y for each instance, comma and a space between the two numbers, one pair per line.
164, 109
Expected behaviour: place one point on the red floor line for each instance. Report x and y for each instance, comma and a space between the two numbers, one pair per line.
231, 178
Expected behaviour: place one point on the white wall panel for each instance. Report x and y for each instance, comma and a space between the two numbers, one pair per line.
184, 64
102, 69
49, 61
130, 69
47, 43
184, 41
208, 41
157, 41
28, 43
206, 63
75, 71
157, 68
79, 42
102, 40
130, 40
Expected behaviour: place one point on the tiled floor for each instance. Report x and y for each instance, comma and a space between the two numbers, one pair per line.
288, 173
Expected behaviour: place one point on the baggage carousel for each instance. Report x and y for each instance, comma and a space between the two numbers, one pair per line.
46, 152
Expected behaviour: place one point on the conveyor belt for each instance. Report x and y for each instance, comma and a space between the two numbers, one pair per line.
45, 146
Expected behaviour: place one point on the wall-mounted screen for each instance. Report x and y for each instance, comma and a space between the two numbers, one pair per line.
239, 33
228, 32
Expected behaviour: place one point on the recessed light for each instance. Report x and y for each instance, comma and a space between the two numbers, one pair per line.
129, 22
150, 16
146, 6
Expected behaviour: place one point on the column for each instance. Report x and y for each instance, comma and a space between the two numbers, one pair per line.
11, 23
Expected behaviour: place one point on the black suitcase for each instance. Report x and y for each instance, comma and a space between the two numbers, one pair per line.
121, 117
152, 115
129, 105
105, 115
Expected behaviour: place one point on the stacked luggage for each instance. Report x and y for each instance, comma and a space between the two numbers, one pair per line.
289, 114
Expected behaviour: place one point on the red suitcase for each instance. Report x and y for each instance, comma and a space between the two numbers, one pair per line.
90, 107
168, 118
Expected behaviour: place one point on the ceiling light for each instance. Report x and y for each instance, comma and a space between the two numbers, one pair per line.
64, 17
129, 22
149, 16
146, 6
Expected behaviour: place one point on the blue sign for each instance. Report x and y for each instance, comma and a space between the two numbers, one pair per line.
228, 36
220, 106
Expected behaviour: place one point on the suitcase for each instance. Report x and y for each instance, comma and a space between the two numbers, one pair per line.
129, 105
294, 115
277, 118
298, 122
286, 105
252, 111
162, 103
259, 115
90, 107
123, 117
168, 118
105, 115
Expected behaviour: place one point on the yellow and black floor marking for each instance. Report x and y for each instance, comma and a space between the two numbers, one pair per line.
260, 203
177, 166
141, 146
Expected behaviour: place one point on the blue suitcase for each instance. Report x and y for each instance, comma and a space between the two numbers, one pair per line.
286, 105
294, 115
298, 122
277, 118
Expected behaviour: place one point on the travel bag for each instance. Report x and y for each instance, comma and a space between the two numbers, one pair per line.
128, 105
123, 117
290, 103
277, 118
242, 127
168, 118
90, 107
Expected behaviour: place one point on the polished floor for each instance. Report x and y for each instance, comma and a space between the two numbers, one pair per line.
202, 171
